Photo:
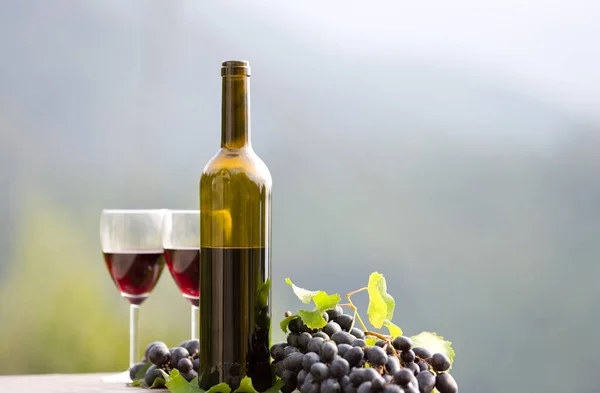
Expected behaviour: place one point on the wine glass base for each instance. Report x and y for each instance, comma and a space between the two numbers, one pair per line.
118, 378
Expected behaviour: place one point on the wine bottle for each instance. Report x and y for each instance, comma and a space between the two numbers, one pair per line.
235, 245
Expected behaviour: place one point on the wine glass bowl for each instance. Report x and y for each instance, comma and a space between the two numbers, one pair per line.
181, 243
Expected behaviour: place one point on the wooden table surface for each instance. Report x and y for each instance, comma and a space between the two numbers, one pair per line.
64, 383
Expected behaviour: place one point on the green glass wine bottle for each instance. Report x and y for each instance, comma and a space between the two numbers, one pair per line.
235, 248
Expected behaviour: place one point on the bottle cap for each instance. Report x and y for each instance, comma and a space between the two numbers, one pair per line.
235, 67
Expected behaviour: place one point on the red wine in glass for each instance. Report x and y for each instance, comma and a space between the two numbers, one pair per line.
184, 265
135, 273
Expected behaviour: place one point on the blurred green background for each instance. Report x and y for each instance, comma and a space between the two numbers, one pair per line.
455, 148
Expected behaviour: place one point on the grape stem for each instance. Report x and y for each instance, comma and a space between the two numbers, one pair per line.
353, 307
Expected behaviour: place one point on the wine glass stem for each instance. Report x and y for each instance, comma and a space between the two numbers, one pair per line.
195, 314
134, 348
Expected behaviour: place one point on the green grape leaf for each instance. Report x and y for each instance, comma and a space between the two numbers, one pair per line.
325, 302
177, 384
370, 341
158, 383
135, 383
245, 386
142, 371
313, 319
219, 388
381, 304
434, 343
303, 294
276, 387
395, 330
284, 324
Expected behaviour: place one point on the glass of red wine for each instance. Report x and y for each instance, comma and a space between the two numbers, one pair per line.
181, 241
132, 246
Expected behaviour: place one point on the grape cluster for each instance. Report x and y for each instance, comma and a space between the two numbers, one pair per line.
336, 359
183, 357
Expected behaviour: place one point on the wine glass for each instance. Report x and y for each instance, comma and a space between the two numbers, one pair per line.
132, 247
181, 241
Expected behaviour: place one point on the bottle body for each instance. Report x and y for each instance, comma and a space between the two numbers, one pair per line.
235, 265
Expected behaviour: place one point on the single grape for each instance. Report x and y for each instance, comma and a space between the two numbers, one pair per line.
388, 378
354, 356
292, 339
344, 381
343, 338
312, 387
380, 343
331, 328
349, 389
184, 365
149, 347
301, 376
422, 365
293, 361
377, 356
370, 374
309, 359
289, 377
151, 374
295, 325
279, 368
289, 349
356, 332
357, 376
440, 362
393, 365
303, 339
343, 348
322, 335
393, 389
339, 368
159, 355
135, 369
413, 367
196, 364
335, 312
315, 344
192, 346
325, 316
345, 321
426, 380
445, 383
422, 353
319, 371
377, 384
188, 376
364, 387
403, 377
328, 351
359, 342
177, 354
277, 351
402, 343
407, 356
330, 385
288, 387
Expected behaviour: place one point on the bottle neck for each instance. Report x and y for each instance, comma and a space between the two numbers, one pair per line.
235, 112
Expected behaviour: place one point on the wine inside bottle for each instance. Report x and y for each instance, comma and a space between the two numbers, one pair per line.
235, 237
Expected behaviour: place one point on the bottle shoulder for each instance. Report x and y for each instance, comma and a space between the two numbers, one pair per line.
226, 163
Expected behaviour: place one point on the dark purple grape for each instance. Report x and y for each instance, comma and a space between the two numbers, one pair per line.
335, 312
330, 385
370, 374
377, 356
328, 352
357, 376
184, 365
440, 362
196, 364
289, 377
288, 387
135, 369
309, 359
413, 367
331, 328
393, 389
293, 361
445, 383
403, 377
359, 342
422, 365
295, 325
151, 374
407, 356
422, 353
289, 349
354, 356
279, 368
188, 376
315, 344
343, 348
325, 316
292, 339
339, 368
364, 387
303, 340
344, 381
343, 338
300, 377
149, 347
277, 351
159, 355
319, 371
377, 384
356, 332
426, 380
192, 346
310, 387
345, 321
177, 354
402, 343
393, 365
322, 335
